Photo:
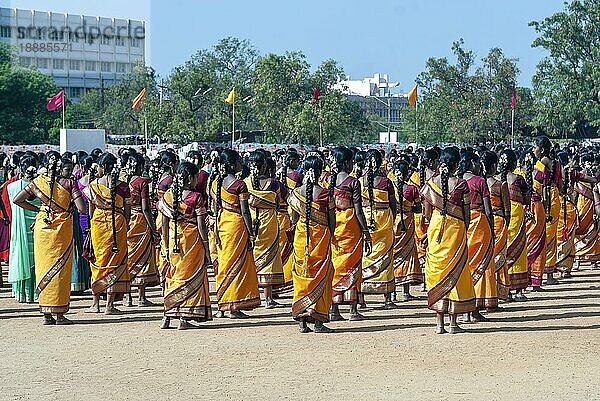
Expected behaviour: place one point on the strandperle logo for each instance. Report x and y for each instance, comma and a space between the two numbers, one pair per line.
89, 33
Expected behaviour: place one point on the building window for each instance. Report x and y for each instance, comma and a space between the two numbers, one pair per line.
121, 68
75, 93
74, 65
119, 41
106, 40
25, 61
135, 42
42, 63
5, 32
90, 66
105, 66
73, 37
58, 64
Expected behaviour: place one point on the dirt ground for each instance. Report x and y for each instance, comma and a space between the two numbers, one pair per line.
547, 348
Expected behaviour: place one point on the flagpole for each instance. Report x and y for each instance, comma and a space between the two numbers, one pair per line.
512, 127
233, 124
146, 130
417, 121
63, 111
320, 125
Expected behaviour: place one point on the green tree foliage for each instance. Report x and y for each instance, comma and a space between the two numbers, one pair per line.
24, 93
465, 102
567, 82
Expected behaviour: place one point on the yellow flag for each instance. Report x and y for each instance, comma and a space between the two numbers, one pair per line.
412, 97
139, 100
231, 98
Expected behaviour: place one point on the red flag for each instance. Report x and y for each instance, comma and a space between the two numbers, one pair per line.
513, 99
316, 95
57, 101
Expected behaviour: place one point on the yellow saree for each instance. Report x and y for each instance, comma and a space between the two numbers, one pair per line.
516, 244
449, 282
420, 225
186, 281
378, 267
567, 225
269, 267
587, 242
141, 254
500, 241
313, 268
346, 246
236, 279
109, 271
53, 244
407, 268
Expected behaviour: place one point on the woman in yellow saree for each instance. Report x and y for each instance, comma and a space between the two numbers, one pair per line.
407, 267
263, 202
109, 210
500, 200
141, 232
446, 208
428, 165
351, 233
184, 230
587, 240
568, 219
314, 215
480, 236
548, 176
379, 204
289, 179
237, 282
536, 224
53, 234
516, 243
168, 164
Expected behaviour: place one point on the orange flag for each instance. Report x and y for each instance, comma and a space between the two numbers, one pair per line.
139, 100
412, 97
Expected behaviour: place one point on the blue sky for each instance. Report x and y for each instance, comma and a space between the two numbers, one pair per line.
386, 36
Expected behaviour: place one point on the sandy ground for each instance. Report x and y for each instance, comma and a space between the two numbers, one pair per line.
547, 348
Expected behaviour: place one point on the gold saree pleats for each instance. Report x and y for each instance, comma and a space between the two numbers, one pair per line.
109, 271
567, 225
53, 245
346, 253
481, 261
141, 262
516, 247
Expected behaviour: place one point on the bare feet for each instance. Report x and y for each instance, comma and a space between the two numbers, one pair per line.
185, 324
92, 309
520, 297
49, 321
538, 289
63, 321
551, 281
305, 329
165, 322
456, 329
271, 304
440, 330
336, 317
390, 305
321, 328
145, 302
219, 314
363, 306
408, 297
356, 317
478, 317
127, 300
238, 314
112, 311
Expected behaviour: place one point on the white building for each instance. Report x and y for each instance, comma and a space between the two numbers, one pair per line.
375, 97
80, 52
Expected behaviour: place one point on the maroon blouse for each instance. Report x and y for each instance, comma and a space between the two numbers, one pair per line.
478, 189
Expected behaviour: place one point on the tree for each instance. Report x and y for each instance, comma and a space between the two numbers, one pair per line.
24, 93
465, 102
567, 81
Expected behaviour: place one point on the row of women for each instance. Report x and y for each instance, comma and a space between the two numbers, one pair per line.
477, 225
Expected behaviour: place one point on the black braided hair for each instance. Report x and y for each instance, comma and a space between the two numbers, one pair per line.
227, 160
338, 156
449, 160
564, 160
360, 159
374, 161
256, 163
111, 169
52, 164
154, 176
28, 167
313, 165
544, 143
401, 172
507, 163
177, 190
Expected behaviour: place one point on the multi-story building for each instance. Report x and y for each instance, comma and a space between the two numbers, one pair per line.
80, 52
375, 97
